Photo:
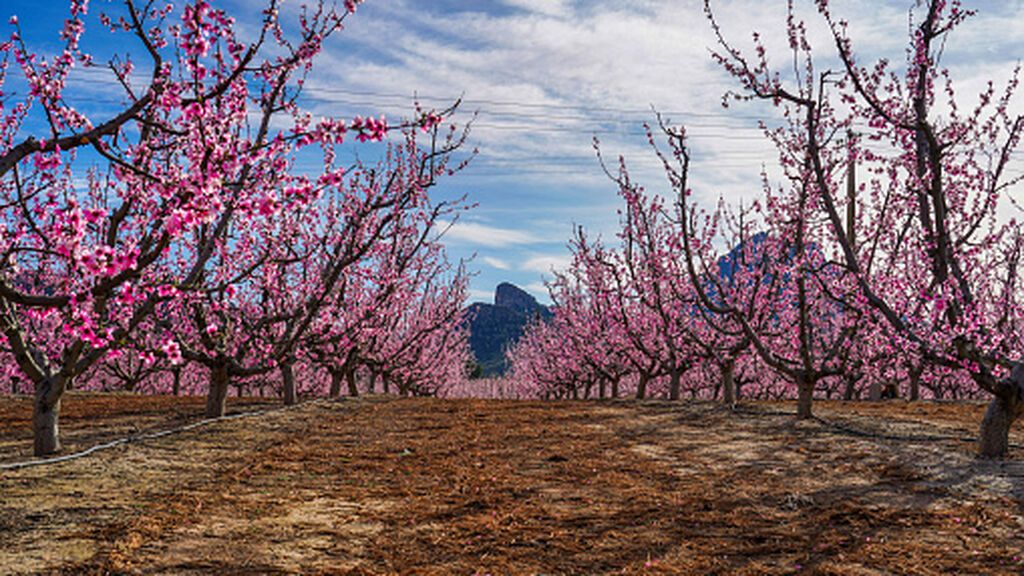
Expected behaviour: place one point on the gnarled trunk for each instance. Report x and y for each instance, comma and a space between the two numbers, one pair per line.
915, 382
217, 398
850, 380
994, 437
336, 377
288, 381
350, 379
45, 413
674, 383
729, 382
805, 396
641, 386
1005, 408
615, 387
875, 391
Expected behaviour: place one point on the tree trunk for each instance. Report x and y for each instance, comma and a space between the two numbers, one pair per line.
641, 386
915, 382
45, 413
805, 396
728, 382
602, 388
288, 379
615, 387
371, 387
336, 377
176, 387
994, 437
350, 379
385, 383
217, 399
673, 383
875, 391
851, 386
1005, 408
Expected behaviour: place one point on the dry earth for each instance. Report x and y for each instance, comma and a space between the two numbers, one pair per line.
427, 486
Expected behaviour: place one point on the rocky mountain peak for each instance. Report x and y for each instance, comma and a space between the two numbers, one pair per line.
515, 298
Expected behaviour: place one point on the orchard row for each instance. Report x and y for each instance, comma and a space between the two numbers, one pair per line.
181, 242
908, 281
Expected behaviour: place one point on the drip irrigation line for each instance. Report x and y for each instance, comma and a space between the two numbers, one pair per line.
859, 432
151, 436
904, 438
898, 437
869, 434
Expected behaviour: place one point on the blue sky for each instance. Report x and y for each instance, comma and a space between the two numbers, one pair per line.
545, 76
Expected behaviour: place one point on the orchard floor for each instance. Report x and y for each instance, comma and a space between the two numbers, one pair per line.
425, 486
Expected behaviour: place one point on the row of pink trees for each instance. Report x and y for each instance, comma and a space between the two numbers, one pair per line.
821, 286
177, 234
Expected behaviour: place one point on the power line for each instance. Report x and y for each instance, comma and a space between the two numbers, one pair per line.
580, 119
408, 98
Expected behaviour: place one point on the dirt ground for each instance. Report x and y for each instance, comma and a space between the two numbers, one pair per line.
426, 486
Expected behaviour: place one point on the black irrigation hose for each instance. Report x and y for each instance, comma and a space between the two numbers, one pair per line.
897, 437
868, 434
736, 408
149, 436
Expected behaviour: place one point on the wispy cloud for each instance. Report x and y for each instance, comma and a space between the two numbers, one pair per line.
546, 76
481, 295
556, 8
497, 263
476, 234
539, 291
547, 263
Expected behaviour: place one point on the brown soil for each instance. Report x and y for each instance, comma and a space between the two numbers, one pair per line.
88, 419
426, 486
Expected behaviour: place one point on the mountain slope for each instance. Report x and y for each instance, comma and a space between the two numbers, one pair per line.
494, 327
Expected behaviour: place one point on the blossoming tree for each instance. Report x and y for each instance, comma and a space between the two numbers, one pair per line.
942, 209
112, 223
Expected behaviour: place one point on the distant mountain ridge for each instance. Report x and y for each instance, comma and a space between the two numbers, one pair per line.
494, 327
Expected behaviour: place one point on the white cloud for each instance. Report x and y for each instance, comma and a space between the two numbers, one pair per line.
549, 75
497, 263
490, 236
539, 291
558, 8
481, 296
546, 263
